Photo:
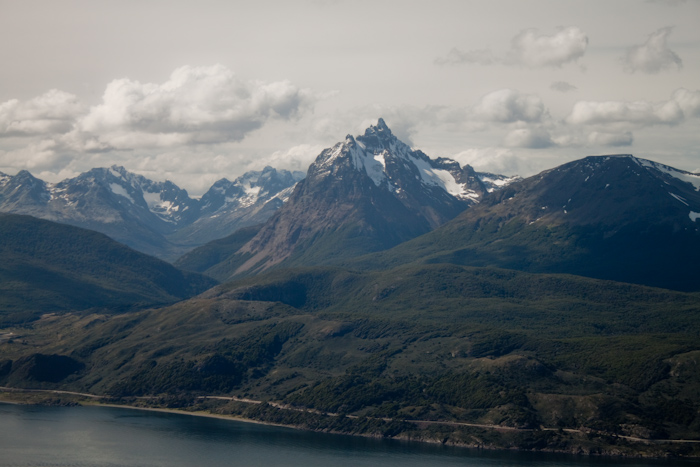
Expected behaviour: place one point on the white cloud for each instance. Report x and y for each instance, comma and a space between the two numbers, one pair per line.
52, 112
36, 157
537, 50
494, 160
611, 139
610, 123
534, 138
295, 158
529, 49
636, 114
507, 106
562, 86
689, 102
653, 56
196, 105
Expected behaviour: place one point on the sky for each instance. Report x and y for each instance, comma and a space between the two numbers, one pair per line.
196, 91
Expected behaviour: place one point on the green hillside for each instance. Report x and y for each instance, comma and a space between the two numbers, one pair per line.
47, 267
566, 362
213, 258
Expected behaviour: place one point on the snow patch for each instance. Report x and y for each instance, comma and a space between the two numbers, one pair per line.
439, 177
162, 208
116, 173
679, 198
694, 215
691, 178
117, 189
493, 184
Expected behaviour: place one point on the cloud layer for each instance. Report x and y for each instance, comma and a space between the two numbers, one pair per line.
528, 48
52, 112
195, 105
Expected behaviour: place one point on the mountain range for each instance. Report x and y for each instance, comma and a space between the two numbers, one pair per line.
157, 218
362, 195
394, 295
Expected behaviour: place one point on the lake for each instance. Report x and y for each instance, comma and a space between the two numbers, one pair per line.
106, 436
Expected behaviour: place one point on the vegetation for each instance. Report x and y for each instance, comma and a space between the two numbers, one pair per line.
393, 353
52, 268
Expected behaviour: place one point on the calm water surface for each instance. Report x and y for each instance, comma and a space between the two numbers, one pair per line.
104, 436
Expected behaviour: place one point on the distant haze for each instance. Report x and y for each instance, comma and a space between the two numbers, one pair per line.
194, 92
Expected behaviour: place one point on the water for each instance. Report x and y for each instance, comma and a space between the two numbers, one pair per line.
105, 436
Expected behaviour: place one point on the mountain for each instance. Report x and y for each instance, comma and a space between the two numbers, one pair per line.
157, 218
228, 206
363, 195
47, 267
442, 353
609, 217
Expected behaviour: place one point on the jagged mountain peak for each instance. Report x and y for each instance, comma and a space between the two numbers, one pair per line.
379, 137
392, 165
367, 193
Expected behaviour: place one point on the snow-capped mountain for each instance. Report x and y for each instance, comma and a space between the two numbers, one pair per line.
144, 214
611, 217
364, 194
393, 166
116, 193
249, 189
230, 205
493, 182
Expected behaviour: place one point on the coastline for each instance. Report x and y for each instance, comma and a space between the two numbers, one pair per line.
497, 442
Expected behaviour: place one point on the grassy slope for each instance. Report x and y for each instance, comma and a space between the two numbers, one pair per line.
438, 342
211, 257
50, 267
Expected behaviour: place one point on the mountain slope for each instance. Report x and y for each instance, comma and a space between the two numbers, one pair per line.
48, 267
157, 218
249, 200
573, 363
363, 195
609, 217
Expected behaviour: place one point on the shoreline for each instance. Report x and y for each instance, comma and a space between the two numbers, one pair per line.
91, 400
198, 413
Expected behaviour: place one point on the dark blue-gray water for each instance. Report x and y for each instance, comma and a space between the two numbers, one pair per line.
104, 436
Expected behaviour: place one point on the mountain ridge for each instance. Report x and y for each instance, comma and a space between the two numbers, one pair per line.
157, 218
609, 217
364, 194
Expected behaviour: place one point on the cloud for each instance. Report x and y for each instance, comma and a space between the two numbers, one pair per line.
457, 57
196, 105
295, 158
637, 113
562, 86
50, 113
533, 138
494, 160
653, 56
528, 48
689, 102
507, 106
610, 123
535, 50
611, 139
